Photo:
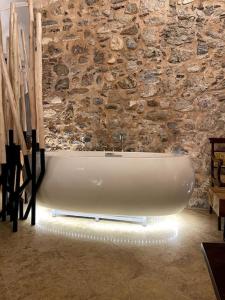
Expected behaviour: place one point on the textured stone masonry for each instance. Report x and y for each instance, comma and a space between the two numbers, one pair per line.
150, 69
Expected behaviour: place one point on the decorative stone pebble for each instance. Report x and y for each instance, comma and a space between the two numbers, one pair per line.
127, 83
132, 30
109, 77
177, 34
116, 43
56, 100
61, 70
150, 76
187, 1
111, 61
202, 48
77, 49
149, 37
99, 57
62, 84
111, 106
156, 116
49, 113
152, 103
131, 8
49, 23
87, 80
91, 2
183, 105
83, 59
98, 101
131, 43
194, 69
149, 91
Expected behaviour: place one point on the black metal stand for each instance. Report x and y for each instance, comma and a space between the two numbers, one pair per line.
14, 194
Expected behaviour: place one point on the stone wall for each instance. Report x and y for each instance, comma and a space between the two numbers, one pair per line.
150, 69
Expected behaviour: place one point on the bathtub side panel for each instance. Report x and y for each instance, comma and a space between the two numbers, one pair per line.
121, 186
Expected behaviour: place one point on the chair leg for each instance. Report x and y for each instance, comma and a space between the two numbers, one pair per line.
210, 210
219, 223
224, 229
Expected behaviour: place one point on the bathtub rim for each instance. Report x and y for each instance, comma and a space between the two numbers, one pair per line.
118, 154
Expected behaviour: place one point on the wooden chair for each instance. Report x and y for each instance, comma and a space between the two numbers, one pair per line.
217, 161
217, 191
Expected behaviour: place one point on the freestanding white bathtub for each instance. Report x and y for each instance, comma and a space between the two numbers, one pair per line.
118, 183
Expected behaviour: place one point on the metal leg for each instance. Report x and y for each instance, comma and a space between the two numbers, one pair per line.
12, 189
224, 229
33, 196
4, 192
16, 194
21, 208
219, 223
12, 177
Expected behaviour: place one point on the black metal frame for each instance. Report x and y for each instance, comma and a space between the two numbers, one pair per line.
12, 192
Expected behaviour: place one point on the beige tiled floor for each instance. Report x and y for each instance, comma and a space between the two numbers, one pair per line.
81, 259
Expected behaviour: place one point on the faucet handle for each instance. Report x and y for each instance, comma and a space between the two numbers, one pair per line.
122, 135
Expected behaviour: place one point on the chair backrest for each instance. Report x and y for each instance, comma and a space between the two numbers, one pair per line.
217, 160
217, 147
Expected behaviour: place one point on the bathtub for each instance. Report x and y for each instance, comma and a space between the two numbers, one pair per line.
131, 184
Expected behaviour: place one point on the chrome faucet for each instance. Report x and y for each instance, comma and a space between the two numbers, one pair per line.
122, 140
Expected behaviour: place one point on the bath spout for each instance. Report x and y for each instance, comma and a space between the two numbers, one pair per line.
111, 154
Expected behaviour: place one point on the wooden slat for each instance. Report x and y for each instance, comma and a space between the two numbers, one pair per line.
4, 97
217, 140
38, 81
23, 105
31, 79
2, 125
6, 107
10, 56
16, 69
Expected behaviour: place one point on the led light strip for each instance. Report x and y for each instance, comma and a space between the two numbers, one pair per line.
116, 240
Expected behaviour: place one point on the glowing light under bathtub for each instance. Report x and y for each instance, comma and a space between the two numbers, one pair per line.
159, 230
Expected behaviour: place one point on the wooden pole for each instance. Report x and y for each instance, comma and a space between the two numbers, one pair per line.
38, 81
2, 125
12, 103
23, 101
10, 56
31, 78
16, 60
16, 70
25, 58
4, 98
